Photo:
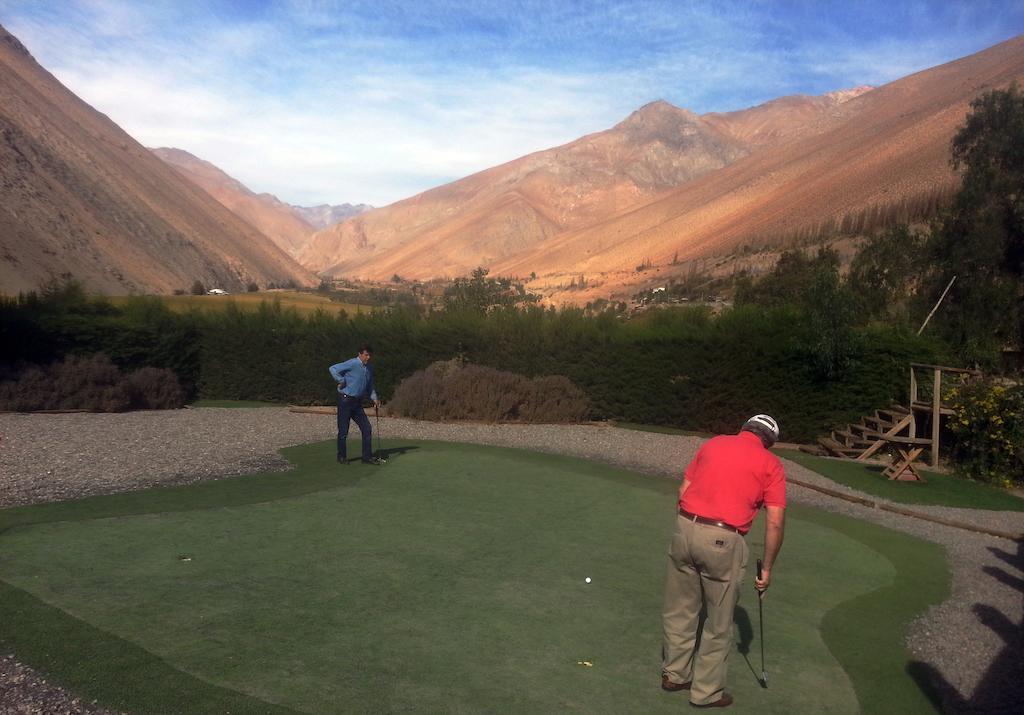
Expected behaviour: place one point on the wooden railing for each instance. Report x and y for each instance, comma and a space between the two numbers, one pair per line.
927, 397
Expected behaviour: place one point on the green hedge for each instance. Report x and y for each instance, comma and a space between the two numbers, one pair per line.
681, 367
43, 331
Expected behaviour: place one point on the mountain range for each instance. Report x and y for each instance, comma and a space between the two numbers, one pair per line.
666, 185
325, 215
521, 206
878, 149
286, 225
660, 189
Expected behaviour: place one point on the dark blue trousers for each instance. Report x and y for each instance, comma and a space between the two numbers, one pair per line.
351, 408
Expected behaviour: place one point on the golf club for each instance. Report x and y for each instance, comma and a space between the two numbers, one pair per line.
376, 414
760, 613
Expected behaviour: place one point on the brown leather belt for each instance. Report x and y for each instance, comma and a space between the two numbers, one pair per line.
709, 522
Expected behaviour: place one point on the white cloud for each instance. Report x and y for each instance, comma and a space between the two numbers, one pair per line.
370, 138
371, 102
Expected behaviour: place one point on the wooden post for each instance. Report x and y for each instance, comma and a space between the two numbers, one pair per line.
913, 399
936, 411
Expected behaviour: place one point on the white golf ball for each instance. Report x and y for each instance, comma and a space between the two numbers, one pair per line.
587, 579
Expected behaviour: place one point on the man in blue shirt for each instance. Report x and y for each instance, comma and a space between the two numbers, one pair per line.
355, 383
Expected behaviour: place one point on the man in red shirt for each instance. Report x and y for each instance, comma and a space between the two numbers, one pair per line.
729, 479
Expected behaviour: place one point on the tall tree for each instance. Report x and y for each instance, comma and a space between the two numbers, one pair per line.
981, 240
479, 294
886, 271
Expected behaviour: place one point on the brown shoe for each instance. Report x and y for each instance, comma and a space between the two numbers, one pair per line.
723, 702
671, 687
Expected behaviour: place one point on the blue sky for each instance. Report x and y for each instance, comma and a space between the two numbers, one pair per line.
334, 101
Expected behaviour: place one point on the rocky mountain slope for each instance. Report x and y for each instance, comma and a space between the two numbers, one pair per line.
265, 212
875, 150
519, 207
287, 225
666, 186
80, 198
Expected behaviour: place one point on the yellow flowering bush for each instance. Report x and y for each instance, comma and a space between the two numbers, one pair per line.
988, 426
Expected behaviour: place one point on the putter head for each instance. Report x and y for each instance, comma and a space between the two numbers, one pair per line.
764, 680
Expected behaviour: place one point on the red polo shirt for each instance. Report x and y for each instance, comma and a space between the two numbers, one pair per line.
731, 477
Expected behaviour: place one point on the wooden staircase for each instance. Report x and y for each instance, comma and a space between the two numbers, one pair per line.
865, 438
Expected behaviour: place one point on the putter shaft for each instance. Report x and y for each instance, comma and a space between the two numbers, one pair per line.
760, 613
376, 415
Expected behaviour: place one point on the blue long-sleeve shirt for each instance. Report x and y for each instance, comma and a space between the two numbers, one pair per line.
354, 378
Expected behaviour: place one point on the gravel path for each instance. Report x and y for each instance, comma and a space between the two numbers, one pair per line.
970, 649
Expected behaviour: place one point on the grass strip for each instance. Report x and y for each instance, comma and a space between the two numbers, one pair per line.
865, 634
318, 471
304, 303
937, 490
84, 657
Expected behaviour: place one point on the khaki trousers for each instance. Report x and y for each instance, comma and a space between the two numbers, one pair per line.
705, 568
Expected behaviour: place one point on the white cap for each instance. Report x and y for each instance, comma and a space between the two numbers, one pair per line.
767, 423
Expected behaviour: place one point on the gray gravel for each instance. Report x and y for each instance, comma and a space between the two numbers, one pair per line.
25, 692
970, 649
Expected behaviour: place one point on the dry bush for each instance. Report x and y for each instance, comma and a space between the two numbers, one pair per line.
31, 392
91, 383
452, 390
155, 388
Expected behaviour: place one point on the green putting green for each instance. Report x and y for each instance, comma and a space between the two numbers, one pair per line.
450, 579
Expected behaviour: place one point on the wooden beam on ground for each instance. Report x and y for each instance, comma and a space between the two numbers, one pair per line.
313, 409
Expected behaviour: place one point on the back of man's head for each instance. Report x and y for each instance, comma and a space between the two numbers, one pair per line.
764, 427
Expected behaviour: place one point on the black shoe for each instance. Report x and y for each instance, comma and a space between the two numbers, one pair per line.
342, 460
373, 460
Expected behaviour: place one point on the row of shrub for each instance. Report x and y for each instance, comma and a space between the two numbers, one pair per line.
91, 383
60, 321
678, 367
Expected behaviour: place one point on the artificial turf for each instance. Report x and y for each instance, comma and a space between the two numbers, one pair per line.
449, 580
937, 489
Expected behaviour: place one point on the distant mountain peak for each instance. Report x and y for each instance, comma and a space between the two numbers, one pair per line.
657, 110
658, 120
658, 105
324, 215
